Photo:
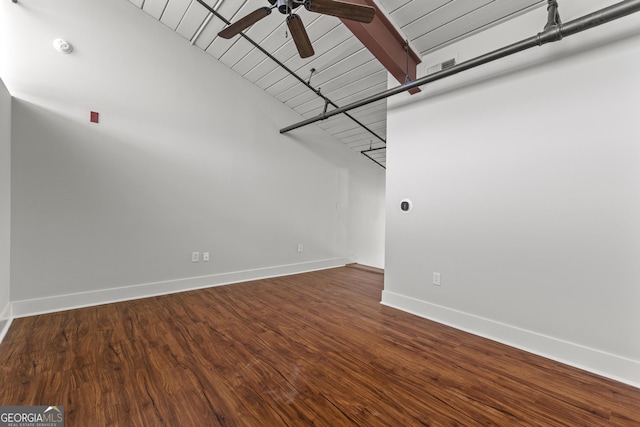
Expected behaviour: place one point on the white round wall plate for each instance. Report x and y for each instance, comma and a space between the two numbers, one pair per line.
62, 46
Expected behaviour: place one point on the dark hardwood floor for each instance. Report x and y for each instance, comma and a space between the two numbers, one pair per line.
310, 349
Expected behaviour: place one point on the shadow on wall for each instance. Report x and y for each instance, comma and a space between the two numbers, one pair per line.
100, 208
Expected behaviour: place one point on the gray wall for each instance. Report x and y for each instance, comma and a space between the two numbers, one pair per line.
5, 204
186, 157
525, 179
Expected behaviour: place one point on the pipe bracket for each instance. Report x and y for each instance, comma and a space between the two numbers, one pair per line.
549, 35
324, 111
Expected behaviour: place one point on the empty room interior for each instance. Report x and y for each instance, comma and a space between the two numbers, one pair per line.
320, 212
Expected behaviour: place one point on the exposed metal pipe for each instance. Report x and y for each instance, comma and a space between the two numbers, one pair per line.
366, 154
288, 70
553, 19
201, 29
551, 34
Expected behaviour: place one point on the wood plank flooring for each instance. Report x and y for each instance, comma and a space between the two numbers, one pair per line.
310, 349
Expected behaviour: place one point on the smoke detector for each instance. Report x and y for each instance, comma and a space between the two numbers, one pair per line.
62, 46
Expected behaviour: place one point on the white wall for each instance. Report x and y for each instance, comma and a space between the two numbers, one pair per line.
5, 206
525, 179
187, 157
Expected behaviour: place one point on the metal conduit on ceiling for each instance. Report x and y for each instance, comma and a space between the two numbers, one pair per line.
553, 31
307, 84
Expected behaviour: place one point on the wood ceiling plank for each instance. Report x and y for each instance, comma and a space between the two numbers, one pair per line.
240, 51
278, 73
374, 116
337, 70
337, 128
240, 48
138, 3
192, 20
228, 9
341, 76
154, 8
322, 46
357, 132
442, 16
249, 62
303, 98
311, 108
288, 54
275, 44
361, 134
469, 24
348, 126
414, 10
219, 46
360, 113
365, 145
345, 49
256, 58
335, 88
258, 33
351, 98
335, 121
376, 79
365, 138
392, 5
173, 13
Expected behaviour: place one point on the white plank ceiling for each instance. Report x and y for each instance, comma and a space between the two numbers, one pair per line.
345, 70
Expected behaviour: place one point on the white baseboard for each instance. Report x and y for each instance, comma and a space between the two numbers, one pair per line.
598, 362
51, 304
6, 318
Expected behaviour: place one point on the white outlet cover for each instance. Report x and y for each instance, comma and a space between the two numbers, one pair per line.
436, 279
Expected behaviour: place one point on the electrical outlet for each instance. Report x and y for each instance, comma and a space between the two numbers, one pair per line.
436, 279
300, 247
205, 256
195, 256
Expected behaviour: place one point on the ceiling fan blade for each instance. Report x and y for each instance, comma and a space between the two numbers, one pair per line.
244, 23
341, 9
300, 36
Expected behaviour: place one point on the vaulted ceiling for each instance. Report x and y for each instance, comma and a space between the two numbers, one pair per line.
345, 70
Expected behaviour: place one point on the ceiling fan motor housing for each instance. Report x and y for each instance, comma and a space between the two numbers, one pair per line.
286, 6
340, 9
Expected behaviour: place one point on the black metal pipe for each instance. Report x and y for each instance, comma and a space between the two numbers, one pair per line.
553, 19
463, 66
366, 154
603, 16
373, 160
288, 70
549, 35
373, 149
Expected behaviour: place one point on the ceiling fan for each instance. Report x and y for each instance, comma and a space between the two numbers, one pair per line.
340, 9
